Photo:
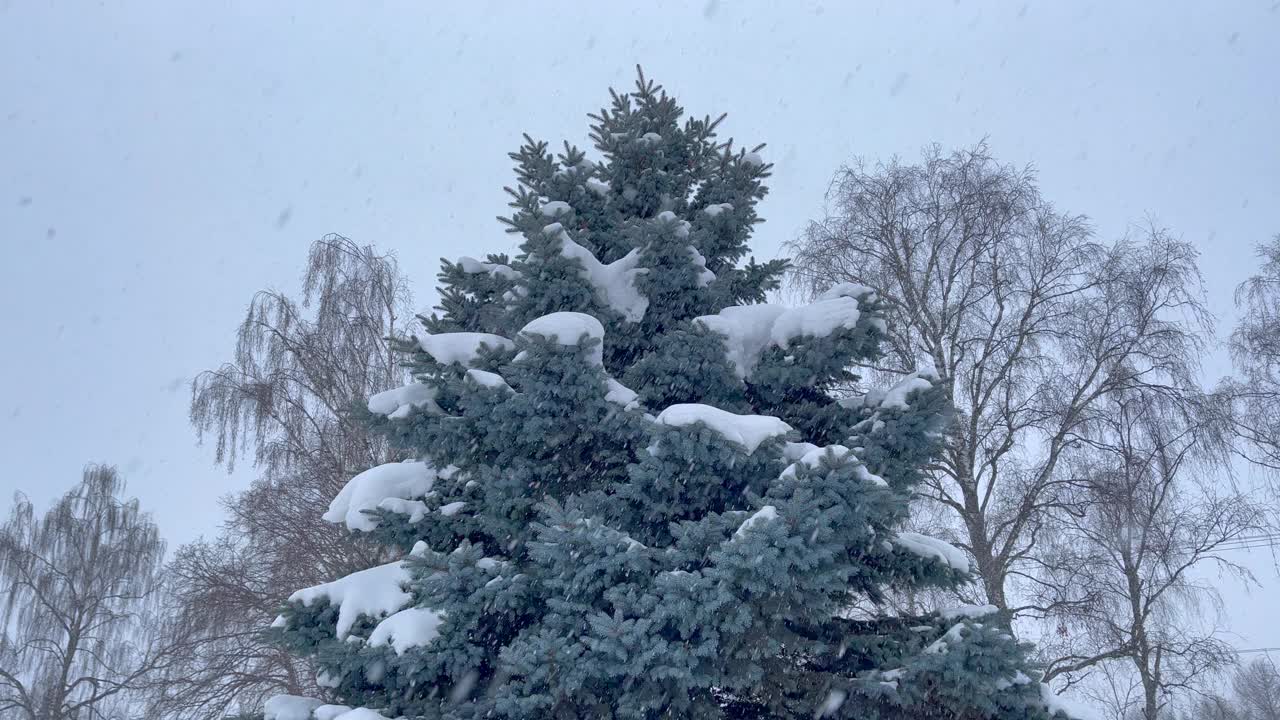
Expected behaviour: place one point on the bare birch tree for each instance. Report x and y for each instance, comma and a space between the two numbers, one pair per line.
298, 367
81, 586
1031, 321
1151, 521
1254, 395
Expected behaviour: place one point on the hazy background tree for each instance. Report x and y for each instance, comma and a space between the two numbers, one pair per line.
1254, 394
1150, 525
1254, 695
1032, 321
299, 365
81, 587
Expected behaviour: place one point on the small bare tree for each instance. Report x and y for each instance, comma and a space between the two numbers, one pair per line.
298, 368
1149, 519
1255, 695
1032, 322
1254, 395
80, 587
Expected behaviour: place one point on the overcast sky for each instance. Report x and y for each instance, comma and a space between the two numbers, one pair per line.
161, 161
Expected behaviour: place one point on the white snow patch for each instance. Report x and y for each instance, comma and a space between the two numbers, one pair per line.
615, 282
403, 480
330, 712
650, 139
459, 347
618, 393
362, 713
896, 397
415, 509
714, 210
746, 330
597, 187
820, 319
375, 592
705, 276
847, 289
484, 378
746, 430
555, 209
289, 707
942, 644
768, 513
832, 705
1061, 703
452, 508
971, 612
568, 328
933, 549
397, 403
753, 159
411, 627
472, 266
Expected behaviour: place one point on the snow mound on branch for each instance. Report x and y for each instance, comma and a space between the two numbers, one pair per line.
411, 627
745, 430
714, 210
896, 397
472, 266
330, 712
847, 289
972, 612
459, 347
376, 592
746, 330
568, 328
933, 549
484, 378
289, 707
360, 714
614, 283
749, 329
403, 481
1060, 703
555, 208
819, 319
397, 403
768, 513
618, 393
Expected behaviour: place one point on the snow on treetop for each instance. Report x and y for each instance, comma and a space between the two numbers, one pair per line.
459, 347
397, 403
411, 627
615, 282
933, 549
289, 707
753, 159
473, 266
568, 328
366, 491
819, 319
896, 397
746, 430
555, 208
375, 592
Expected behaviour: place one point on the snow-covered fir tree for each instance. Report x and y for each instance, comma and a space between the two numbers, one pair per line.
641, 491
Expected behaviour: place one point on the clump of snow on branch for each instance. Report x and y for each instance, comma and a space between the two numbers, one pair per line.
471, 266
568, 328
411, 627
971, 612
819, 319
766, 514
376, 592
896, 396
933, 549
614, 283
397, 403
289, 707
459, 347
368, 490
745, 430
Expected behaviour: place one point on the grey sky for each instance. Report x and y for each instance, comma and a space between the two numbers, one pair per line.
159, 162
